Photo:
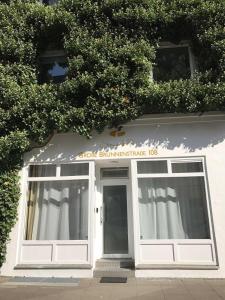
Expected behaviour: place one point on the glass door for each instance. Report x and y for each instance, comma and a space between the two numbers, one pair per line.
115, 229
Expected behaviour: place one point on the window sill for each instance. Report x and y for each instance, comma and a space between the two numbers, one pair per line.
51, 266
175, 267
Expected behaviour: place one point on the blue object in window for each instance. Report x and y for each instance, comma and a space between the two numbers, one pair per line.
57, 72
53, 69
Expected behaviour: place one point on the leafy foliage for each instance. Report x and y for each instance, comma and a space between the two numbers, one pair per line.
110, 45
9, 197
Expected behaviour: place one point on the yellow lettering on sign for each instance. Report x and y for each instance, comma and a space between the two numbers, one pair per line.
101, 154
153, 151
88, 155
114, 154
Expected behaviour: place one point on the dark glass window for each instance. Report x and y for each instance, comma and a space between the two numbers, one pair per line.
187, 167
42, 170
53, 69
114, 173
49, 2
152, 167
74, 169
172, 64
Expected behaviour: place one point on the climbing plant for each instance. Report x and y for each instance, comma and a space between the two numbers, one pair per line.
110, 47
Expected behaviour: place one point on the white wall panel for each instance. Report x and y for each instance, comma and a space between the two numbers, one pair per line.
72, 253
200, 253
36, 253
156, 253
54, 253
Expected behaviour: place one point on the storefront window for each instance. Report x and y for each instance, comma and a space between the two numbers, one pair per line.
173, 205
57, 209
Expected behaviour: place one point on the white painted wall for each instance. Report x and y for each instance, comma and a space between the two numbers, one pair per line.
173, 137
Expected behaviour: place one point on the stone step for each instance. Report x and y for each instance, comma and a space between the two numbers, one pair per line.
115, 263
112, 267
113, 272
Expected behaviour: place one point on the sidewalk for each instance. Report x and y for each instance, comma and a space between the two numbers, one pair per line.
145, 289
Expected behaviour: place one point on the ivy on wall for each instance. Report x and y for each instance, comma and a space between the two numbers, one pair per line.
110, 46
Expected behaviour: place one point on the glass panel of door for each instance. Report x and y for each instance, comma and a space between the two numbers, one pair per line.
115, 219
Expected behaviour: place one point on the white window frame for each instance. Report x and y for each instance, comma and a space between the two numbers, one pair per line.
184, 43
54, 243
173, 242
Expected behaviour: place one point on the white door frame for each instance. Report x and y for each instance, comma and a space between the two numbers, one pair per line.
122, 182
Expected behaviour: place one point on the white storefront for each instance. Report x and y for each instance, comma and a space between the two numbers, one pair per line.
152, 191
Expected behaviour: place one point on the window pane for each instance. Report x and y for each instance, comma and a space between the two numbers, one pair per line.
158, 166
172, 64
173, 208
42, 170
187, 167
74, 169
49, 2
114, 172
58, 210
53, 69
115, 220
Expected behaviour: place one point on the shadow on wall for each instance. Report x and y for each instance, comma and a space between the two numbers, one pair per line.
186, 137
190, 137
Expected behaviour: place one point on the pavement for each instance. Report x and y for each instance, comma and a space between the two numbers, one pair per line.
134, 289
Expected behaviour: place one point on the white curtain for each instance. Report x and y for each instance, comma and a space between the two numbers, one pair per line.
61, 210
173, 208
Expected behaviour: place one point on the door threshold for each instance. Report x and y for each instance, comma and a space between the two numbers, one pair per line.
116, 258
114, 263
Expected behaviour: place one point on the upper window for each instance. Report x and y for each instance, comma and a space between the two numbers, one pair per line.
114, 173
53, 67
49, 2
173, 62
42, 170
172, 199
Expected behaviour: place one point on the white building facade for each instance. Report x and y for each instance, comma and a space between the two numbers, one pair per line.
152, 191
